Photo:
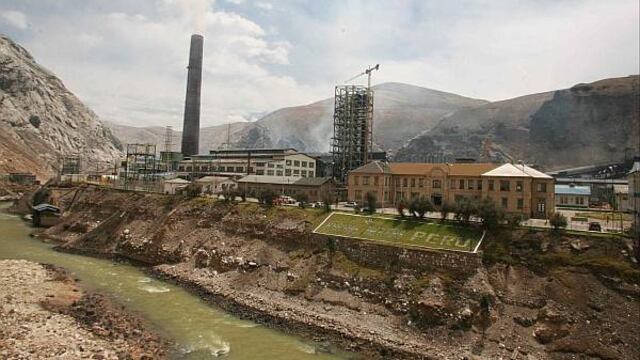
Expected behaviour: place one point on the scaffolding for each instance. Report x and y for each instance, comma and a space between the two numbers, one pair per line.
70, 164
140, 166
352, 129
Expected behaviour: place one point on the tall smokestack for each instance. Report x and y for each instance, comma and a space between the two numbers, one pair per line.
191, 126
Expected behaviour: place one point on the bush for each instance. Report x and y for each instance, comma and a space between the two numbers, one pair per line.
267, 197
303, 199
515, 220
327, 199
401, 205
465, 209
370, 200
192, 190
490, 214
445, 210
420, 206
558, 221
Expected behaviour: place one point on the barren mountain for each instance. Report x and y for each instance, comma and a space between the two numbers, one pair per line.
40, 120
586, 124
212, 137
400, 111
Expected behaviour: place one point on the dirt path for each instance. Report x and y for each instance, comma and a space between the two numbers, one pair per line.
45, 315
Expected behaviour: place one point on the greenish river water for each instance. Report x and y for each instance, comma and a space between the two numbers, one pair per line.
200, 330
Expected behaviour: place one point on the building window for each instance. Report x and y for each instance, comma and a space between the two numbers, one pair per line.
436, 184
303, 173
520, 204
296, 163
356, 180
519, 186
229, 168
270, 172
398, 195
479, 184
542, 187
579, 201
239, 169
296, 172
278, 172
421, 182
375, 181
453, 185
312, 164
287, 172
271, 165
542, 206
310, 173
490, 185
358, 195
505, 202
461, 184
505, 185
470, 184
413, 182
404, 182
386, 196
365, 180
436, 199
259, 172
304, 164
288, 162
278, 166
260, 164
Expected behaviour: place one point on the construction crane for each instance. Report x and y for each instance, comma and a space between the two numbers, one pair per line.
367, 72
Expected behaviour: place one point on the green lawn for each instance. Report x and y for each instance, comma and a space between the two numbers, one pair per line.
402, 232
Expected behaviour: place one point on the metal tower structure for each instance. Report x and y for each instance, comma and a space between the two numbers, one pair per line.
352, 120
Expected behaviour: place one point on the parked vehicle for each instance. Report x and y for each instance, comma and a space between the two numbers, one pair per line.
317, 204
595, 226
351, 204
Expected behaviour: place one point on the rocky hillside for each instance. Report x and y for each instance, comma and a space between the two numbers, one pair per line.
400, 111
586, 124
40, 119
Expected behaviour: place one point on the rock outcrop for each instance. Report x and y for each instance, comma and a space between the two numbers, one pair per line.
41, 120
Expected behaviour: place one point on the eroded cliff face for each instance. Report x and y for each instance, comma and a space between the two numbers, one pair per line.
533, 294
40, 120
586, 124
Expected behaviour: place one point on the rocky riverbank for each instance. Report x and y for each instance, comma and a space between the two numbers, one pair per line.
533, 297
45, 314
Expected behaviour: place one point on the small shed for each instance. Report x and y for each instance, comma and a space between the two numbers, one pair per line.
46, 215
216, 184
572, 195
172, 186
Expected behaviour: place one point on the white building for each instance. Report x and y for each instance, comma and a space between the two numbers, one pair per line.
172, 186
572, 195
216, 184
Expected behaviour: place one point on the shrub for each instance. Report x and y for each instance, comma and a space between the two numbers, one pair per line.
370, 200
401, 205
327, 199
465, 209
490, 214
267, 196
192, 190
515, 220
303, 199
445, 210
420, 206
558, 221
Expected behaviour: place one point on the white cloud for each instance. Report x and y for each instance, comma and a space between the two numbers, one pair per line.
14, 18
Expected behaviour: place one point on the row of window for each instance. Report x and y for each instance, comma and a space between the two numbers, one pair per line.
300, 163
578, 200
504, 185
286, 172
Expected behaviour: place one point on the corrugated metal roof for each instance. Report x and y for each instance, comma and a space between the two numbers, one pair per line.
572, 190
511, 170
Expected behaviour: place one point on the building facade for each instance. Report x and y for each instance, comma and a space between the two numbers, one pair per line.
573, 195
515, 188
270, 162
314, 188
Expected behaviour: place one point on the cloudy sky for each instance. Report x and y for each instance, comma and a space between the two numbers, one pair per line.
127, 59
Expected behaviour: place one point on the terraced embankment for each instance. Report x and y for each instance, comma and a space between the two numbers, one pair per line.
535, 296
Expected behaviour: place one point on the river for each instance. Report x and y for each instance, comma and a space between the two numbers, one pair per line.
201, 331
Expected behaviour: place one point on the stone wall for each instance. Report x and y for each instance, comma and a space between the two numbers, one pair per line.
377, 255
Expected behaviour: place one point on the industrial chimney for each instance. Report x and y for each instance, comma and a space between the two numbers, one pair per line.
191, 126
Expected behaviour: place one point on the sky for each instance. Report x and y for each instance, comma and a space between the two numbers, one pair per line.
127, 59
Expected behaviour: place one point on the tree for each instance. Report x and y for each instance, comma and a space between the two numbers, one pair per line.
327, 198
490, 214
445, 209
401, 205
558, 221
303, 199
192, 190
370, 200
515, 220
420, 206
465, 209
267, 196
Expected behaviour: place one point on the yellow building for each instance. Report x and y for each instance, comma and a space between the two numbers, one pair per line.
515, 188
